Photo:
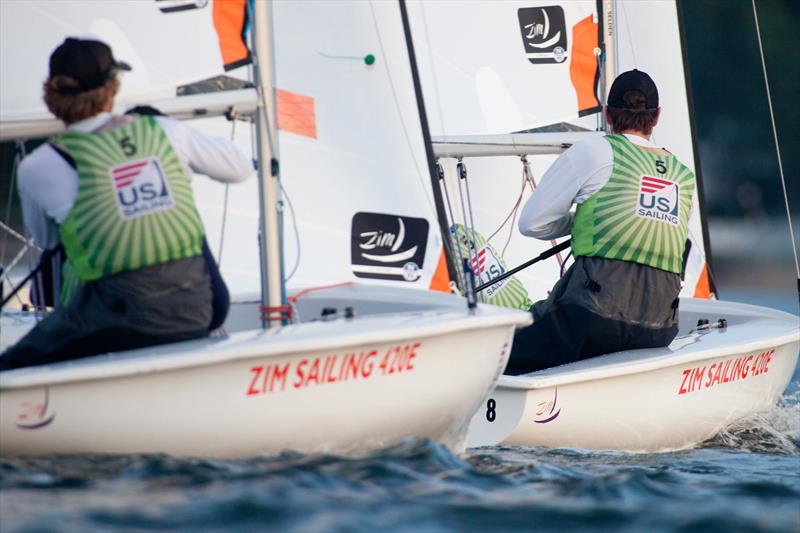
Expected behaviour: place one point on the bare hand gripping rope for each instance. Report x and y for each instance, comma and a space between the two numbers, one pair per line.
544, 255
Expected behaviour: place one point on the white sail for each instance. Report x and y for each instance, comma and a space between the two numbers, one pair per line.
501, 67
278, 379
647, 38
168, 43
181, 47
353, 160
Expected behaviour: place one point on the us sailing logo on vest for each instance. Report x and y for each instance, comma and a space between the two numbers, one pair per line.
544, 33
389, 247
659, 199
140, 188
487, 267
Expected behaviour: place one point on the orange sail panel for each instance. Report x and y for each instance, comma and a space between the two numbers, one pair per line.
703, 288
230, 21
296, 113
441, 278
583, 69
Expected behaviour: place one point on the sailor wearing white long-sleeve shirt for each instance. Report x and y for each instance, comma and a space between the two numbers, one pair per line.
575, 176
114, 192
48, 184
628, 238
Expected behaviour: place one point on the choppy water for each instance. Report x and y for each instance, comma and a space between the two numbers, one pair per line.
747, 479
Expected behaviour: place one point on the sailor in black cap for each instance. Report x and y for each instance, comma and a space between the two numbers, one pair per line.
628, 231
115, 192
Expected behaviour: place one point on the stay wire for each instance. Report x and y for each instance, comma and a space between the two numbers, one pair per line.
397, 108
472, 251
5, 275
777, 144
469, 209
296, 232
453, 237
510, 213
10, 202
225, 203
433, 69
526, 169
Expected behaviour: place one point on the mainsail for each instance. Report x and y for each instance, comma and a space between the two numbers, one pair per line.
358, 204
500, 67
482, 80
138, 32
353, 159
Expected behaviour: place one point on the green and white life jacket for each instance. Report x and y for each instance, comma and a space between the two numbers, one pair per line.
134, 208
487, 264
642, 214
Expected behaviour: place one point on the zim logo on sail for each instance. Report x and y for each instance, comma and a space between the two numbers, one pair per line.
659, 199
386, 246
544, 33
140, 188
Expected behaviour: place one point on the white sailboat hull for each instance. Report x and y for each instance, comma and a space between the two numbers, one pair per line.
342, 385
650, 400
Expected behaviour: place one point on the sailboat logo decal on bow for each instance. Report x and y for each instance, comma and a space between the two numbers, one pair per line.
387, 246
544, 33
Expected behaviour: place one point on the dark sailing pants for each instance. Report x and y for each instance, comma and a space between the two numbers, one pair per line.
599, 306
159, 304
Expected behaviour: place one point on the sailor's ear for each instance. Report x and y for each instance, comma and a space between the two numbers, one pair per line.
658, 115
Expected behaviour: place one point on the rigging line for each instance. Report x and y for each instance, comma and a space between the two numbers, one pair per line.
526, 169
633, 50
777, 144
510, 231
225, 202
461, 170
39, 282
29, 243
630, 39
451, 223
513, 210
6, 272
417, 167
433, 69
469, 207
10, 199
296, 232
562, 269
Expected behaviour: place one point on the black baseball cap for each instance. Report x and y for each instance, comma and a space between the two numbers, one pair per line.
87, 61
633, 80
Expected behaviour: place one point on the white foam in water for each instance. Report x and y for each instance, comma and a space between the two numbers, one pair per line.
775, 431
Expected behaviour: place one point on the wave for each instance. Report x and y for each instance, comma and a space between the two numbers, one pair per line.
418, 485
772, 432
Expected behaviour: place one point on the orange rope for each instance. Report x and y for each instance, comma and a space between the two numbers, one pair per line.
293, 298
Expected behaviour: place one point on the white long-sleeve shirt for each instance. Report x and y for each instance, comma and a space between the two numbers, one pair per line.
576, 175
48, 185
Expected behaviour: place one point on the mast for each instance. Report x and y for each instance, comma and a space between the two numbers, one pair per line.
607, 28
609, 43
701, 201
272, 288
426, 137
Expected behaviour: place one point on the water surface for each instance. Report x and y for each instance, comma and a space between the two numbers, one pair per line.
747, 479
